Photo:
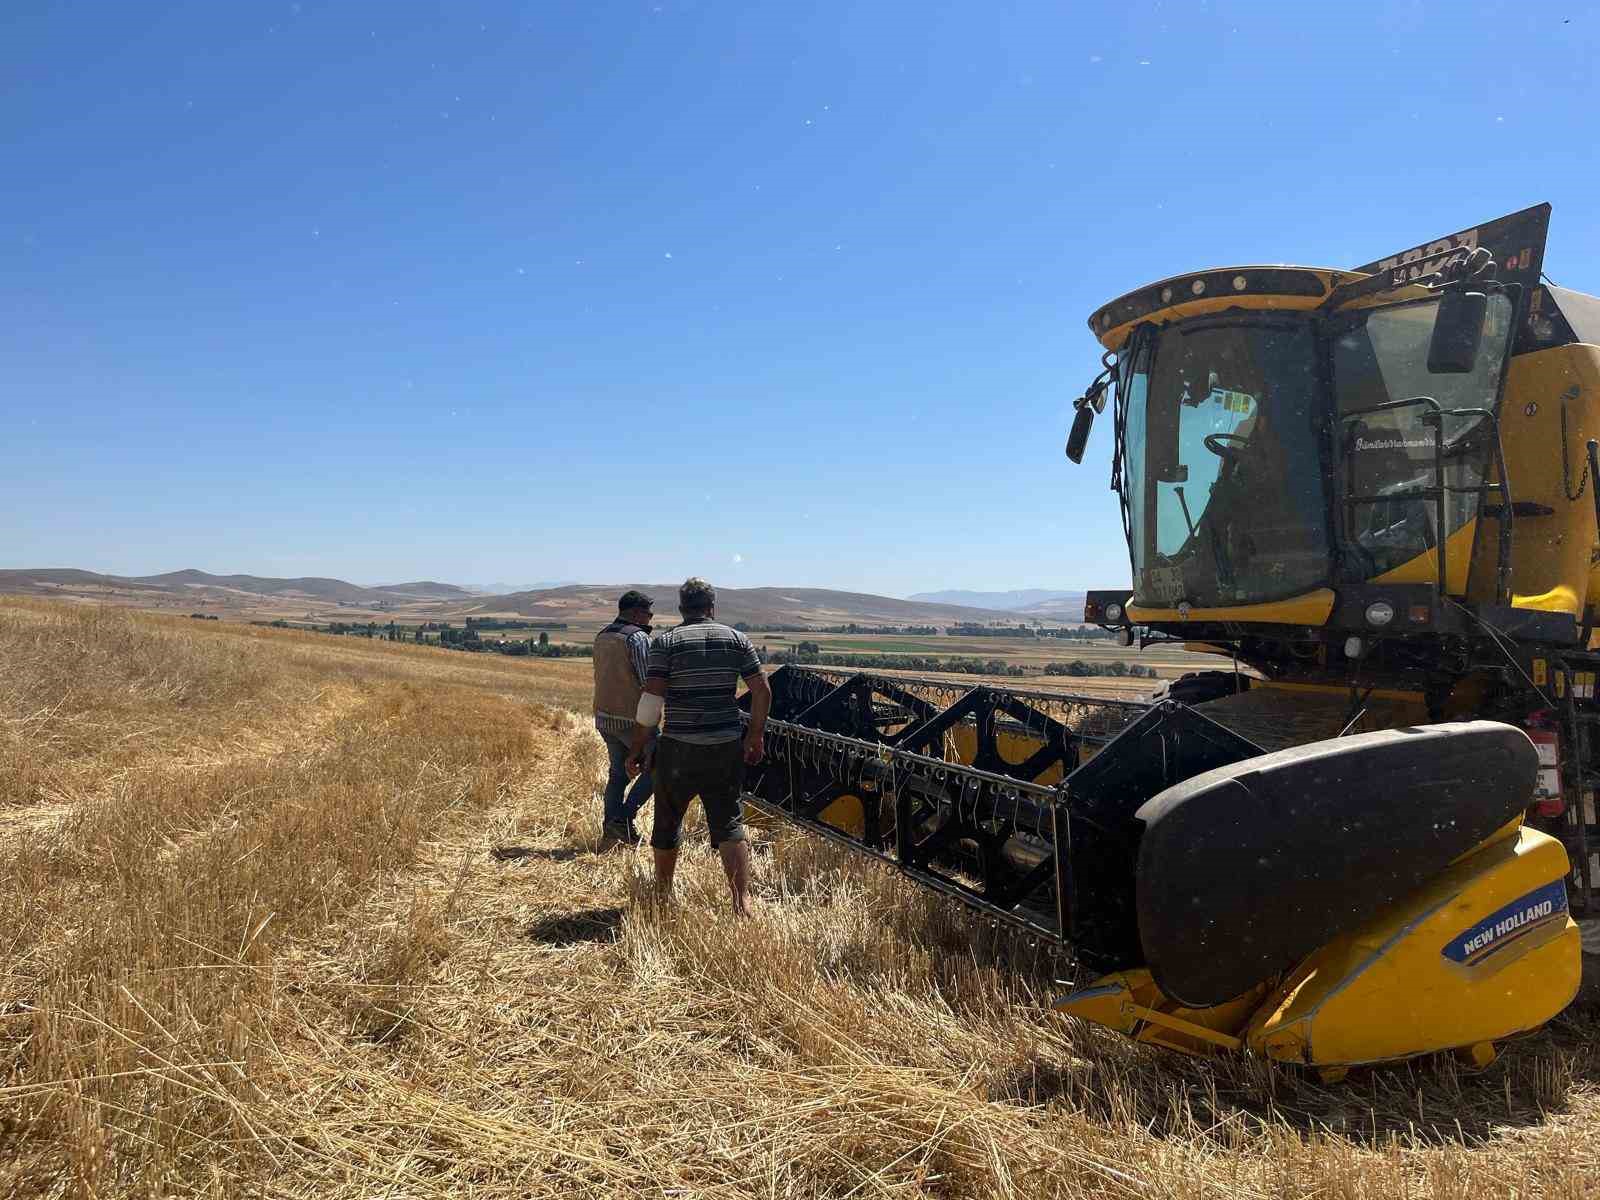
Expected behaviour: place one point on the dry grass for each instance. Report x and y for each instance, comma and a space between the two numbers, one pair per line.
289, 916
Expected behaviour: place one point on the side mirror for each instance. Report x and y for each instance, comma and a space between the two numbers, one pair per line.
1079, 437
1457, 333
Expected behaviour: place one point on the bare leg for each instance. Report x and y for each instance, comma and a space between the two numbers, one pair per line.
666, 864
736, 864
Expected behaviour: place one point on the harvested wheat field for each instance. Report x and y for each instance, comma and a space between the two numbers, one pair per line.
295, 916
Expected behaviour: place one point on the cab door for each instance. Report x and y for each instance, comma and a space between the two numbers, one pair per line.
1412, 448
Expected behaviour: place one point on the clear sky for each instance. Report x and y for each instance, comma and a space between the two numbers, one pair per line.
776, 293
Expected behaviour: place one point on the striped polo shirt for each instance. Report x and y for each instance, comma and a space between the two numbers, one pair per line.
702, 663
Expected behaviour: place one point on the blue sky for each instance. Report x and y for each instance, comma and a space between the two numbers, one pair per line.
773, 293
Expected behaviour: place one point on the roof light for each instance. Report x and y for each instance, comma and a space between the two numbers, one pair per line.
1198, 287
1240, 283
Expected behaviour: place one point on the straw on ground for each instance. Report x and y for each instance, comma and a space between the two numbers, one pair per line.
291, 916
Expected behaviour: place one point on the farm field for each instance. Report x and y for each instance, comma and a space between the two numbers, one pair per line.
289, 915
1031, 654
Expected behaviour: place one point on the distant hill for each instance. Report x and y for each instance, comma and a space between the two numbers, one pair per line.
581, 603
505, 589
217, 587
755, 606
1041, 604
45, 580
311, 587
1013, 601
1068, 607
427, 589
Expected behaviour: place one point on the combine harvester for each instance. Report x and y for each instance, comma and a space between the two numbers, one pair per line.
1379, 491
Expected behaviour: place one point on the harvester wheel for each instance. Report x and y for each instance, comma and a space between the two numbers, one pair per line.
1589, 986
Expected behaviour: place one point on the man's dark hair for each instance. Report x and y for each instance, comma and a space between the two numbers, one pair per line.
696, 597
634, 599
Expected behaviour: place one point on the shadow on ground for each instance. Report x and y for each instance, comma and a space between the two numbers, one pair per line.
573, 929
520, 853
1435, 1099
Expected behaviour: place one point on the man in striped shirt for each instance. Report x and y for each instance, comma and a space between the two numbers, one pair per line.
694, 674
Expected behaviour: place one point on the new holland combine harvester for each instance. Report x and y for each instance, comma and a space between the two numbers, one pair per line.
1376, 494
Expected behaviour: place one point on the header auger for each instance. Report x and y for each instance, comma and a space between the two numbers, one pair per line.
1376, 490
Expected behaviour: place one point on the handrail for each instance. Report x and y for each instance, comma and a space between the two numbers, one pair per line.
1594, 474
1433, 416
1506, 516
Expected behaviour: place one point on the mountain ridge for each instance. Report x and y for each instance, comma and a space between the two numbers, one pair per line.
1014, 600
427, 589
757, 606
258, 595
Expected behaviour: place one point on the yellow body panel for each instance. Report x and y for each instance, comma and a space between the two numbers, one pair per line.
1552, 557
1131, 1003
1425, 567
1484, 951
1312, 608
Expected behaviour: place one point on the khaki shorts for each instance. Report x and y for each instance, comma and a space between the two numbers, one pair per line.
715, 773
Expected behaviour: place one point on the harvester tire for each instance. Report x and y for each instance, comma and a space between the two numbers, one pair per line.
1589, 987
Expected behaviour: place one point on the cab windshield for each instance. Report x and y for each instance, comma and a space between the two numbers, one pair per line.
1222, 474
1233, 440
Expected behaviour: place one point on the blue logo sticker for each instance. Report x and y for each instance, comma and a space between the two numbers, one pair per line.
1499, 929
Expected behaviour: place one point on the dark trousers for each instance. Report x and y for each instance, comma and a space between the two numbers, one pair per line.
622, 803
715, 773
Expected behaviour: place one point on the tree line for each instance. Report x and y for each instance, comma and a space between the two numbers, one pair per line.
885, 630
1082, 633
810, 654
1078, 667
449, 637
806, 654
1087, 633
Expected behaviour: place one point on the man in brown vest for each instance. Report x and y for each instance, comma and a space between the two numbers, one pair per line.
621, 652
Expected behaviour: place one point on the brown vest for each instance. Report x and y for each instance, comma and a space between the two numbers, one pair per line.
616, 687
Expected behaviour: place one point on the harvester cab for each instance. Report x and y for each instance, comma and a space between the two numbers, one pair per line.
1397, 450
1371, 492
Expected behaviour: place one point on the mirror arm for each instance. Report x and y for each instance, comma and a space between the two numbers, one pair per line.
1087, 405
